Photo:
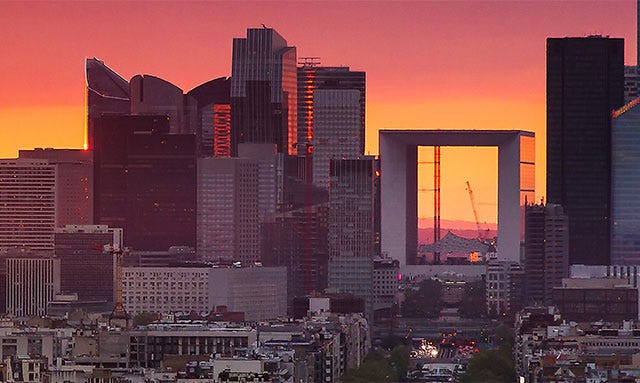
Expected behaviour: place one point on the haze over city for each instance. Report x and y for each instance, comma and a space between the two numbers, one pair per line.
433, 65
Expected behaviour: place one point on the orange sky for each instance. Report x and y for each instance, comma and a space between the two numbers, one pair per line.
448, 65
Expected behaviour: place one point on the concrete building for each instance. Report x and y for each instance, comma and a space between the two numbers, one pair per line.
504, 289
386, 279
259, 292
312, 77
85, 268
31, 284
28, 199
546, 254
631, 82
625, 165
399, 164
351, 227
74, 183
585, 82
165, 289
337, 129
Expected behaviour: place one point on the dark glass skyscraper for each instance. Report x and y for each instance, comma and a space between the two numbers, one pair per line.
213, 125
585, 83
145, 181
107, 93
264, 91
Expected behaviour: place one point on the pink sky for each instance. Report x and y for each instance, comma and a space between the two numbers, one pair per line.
429, 65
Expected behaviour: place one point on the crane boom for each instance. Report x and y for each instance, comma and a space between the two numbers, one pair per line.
475, 211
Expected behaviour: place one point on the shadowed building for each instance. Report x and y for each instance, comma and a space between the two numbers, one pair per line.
213, 124
145, 181
264, 91
106, 93
585, 83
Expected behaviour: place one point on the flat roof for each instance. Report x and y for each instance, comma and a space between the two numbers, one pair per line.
471, 137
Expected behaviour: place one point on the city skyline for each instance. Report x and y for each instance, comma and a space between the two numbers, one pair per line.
431, 70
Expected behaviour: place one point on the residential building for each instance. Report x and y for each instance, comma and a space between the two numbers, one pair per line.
74, 183
31, 284
264, 91
585, 82
546, 251
28, 199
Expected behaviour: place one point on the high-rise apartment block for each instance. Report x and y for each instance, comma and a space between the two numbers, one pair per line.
85, 268
31, 285
351, 227
585, 82
625, 206
546, 251
74, 183
264, 91
312, 77
28, 203
145, 181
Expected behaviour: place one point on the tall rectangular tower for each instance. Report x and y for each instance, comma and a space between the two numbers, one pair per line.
264, 91
585, 83
351, 227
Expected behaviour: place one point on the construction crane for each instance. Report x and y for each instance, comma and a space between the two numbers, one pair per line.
119, 315
436, 197
475, 211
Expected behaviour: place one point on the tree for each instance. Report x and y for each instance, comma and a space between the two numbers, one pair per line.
374, 368
490, 366
145, 318
426, 302
399, 359
473, 304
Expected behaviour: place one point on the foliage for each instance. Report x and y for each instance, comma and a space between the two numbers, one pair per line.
473, 304
493, 365
426, 302
378, 367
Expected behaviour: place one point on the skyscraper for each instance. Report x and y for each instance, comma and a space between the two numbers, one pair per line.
213, 125
312, 77
351, 229
264, 91
338, 129
106, 93
585, 82
145, 181
625, 204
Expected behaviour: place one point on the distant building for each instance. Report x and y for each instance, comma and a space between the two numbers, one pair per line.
107, 93
74, 183
85, 268
351, 227
213, 123
175, 255
145, 181
625, 205
31, 284
386, 277
505, 288
264, 91
337, 129
595, 299
585, 82
153, 96
631, 82
28, 196
546, 251
312, 77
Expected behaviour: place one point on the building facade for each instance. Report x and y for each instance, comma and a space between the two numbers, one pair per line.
264, 91
585, 82
28, 199
31, 284
213, 123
